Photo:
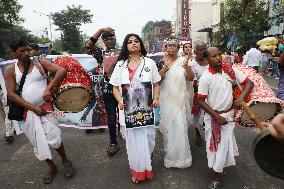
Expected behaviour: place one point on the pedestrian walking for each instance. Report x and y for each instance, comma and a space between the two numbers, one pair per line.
40, 126
10, 125
199, 66
133, 67
175, 106
253, 57
265, 61
280, 93
216, 98
275, 63
109, 39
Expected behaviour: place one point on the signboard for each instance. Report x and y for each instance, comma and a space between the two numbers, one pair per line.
184, 20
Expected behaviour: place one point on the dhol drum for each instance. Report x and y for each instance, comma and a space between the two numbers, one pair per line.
268, 152
262, 99
74, 92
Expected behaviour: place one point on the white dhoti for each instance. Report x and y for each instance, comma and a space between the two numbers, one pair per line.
43, 132
10, 125
227, 147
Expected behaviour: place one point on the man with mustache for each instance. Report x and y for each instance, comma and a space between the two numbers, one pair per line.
40, 126
108, 36
215, 96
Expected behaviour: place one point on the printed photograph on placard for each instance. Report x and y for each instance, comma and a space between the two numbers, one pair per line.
93, 116
138, 98
109, 61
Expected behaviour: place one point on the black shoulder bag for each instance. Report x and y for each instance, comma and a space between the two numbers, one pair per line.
16, 112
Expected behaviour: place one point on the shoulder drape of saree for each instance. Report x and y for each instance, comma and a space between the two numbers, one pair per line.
175, 92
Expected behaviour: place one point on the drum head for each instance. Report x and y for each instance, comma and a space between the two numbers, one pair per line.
265, 111
269, 154
72, 99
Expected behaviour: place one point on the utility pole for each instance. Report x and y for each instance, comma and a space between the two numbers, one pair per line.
49, 19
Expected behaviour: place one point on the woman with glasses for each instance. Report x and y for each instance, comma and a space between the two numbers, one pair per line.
175, 105
133, 69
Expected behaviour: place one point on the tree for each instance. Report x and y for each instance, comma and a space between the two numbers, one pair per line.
57, 45
245, 19
69, 22
9, 17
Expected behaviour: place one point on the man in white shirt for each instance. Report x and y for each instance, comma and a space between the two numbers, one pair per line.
4, 109
253, 57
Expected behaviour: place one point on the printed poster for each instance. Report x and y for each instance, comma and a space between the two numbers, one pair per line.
109, 62
138, 98
94, 115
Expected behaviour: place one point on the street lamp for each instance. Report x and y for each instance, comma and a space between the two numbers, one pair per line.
49, 18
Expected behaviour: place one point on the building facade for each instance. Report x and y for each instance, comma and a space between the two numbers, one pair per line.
154, 33
201, 21
191, 17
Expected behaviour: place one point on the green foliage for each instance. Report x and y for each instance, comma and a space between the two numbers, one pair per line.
9, 13
246, 19
72, 41
57, 44
69, 22
73, 17
148, 27
9, 17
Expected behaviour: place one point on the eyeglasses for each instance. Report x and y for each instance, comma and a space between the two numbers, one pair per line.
187, 46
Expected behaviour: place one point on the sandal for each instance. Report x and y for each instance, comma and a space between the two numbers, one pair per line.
48, 178
214, 185
113, 148
68, 170
134, 180
9, 139
198, 141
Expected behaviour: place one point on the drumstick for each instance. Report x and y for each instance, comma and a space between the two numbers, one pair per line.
252, 115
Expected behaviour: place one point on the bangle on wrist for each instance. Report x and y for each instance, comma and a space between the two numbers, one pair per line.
93, 40
165, 68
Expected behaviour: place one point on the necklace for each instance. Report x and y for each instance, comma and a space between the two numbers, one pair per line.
135, 60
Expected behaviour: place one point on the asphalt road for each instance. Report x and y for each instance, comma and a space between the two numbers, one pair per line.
19, 168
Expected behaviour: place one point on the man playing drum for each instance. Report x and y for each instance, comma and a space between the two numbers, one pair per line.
215, 96
40, 126
109, 39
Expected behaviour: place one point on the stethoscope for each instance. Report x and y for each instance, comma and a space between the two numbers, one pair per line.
140, 75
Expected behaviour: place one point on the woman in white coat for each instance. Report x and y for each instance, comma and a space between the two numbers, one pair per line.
132, 68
